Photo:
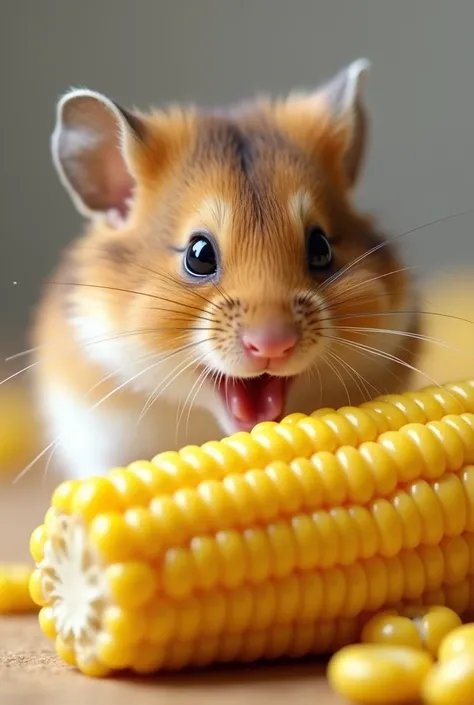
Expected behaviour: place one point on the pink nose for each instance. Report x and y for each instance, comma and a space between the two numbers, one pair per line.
270, 342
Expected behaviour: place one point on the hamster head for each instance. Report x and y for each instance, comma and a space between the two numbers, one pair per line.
225, 265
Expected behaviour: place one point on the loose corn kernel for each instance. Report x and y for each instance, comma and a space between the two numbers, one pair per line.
377, 673
393, 630
280, 542
14, 589
450, 681
434, 625
457, 642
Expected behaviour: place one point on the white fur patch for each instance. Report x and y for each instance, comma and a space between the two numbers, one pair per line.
215, 210
299, 205
88, 442
92, 441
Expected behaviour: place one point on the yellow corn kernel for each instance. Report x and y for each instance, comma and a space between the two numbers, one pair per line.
131, 584
450, 681
278, 542
133, 491
377, 673
148, 660
37, 540
393, 630
93, 668
457, 642
47, 622
15, 589
65, 651
434, 625
113, 654
112, 538
63, 496
36, 588
125, 626
94, 496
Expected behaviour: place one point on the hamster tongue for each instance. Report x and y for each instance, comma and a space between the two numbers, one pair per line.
250, 401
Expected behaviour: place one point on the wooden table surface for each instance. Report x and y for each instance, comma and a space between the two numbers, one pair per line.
30, 672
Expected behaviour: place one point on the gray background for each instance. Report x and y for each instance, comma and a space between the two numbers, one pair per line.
421, 98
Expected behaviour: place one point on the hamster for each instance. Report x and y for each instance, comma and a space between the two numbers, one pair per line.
224, 277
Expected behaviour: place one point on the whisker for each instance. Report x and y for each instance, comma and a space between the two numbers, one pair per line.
339, 376
365, 282
157, 391
126, 291
181, 407
207, 372
404, 334
350, 303
98, 341
358, 379
185, 320
147, 356
384, 355
19, 372
23, 353
399, 312
338, 361
167, 275
343, 270
224, 295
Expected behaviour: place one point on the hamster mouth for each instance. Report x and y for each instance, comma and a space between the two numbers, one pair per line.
252, 400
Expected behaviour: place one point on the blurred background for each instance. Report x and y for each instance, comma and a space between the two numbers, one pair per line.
420, 97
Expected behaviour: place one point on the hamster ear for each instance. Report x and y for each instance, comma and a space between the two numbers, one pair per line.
332, 119
91, 149
343, 96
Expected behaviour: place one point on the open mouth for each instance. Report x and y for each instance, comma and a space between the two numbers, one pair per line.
250, 401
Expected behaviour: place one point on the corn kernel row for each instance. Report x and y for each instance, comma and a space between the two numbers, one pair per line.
226, 600
216, 518
421, 514
143, 654
297, 436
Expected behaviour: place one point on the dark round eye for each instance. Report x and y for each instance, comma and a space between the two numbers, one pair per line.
200, 259
319, 250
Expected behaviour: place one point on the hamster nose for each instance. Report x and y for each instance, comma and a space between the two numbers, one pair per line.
274, 342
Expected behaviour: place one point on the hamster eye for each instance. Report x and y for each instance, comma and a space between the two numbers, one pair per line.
200, 259
319, 250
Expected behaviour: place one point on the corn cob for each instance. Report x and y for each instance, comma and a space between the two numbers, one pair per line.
275, 543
